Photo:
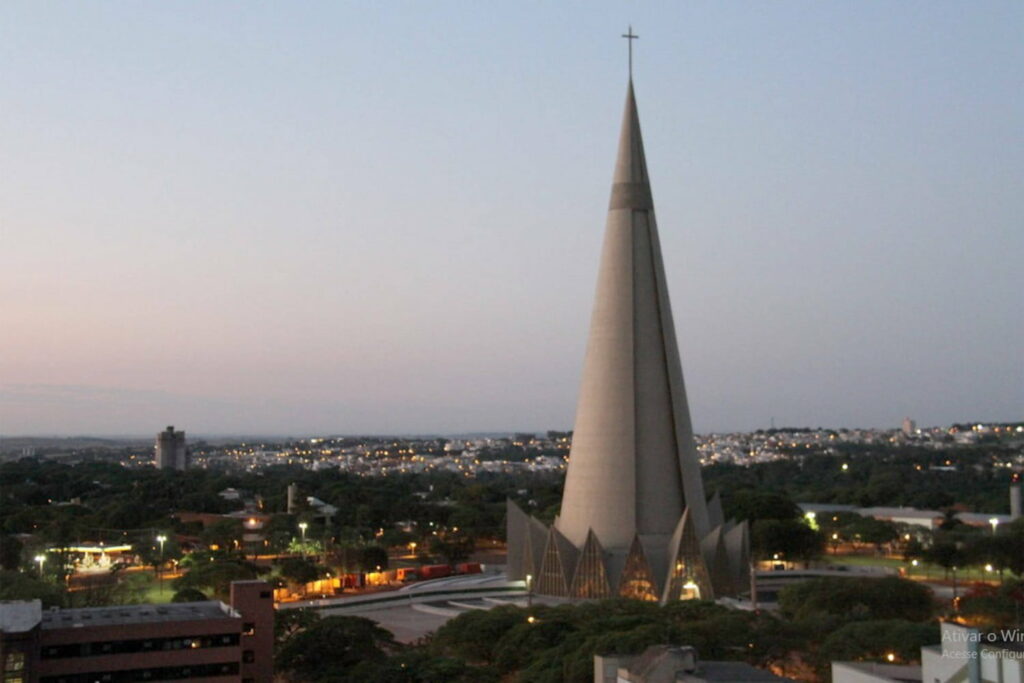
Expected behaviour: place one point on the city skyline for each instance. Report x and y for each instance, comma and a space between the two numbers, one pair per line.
355, 220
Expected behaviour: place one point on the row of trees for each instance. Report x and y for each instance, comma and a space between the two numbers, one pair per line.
821, 621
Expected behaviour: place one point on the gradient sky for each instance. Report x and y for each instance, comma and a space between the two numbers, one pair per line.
324, 217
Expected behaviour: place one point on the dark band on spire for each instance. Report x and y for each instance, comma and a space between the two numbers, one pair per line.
631, 196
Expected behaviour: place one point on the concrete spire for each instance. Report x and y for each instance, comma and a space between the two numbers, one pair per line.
633, 467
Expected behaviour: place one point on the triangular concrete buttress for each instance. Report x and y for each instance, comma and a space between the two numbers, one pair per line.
516, 526
591, 577
557, 565
637, 580
688, 575
716, 517
737, 550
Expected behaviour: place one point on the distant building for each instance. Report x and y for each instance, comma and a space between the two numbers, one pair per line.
667, 664
171, 452
929, 519
1015, 502
293, 498
909, 427
203, 641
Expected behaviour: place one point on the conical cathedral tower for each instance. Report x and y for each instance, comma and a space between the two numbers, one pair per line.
634, 520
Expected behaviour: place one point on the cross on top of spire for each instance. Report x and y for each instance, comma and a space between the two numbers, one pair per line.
630, 36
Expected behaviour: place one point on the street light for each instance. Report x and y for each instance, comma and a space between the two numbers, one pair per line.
529, 591
995, 523
159, 575
41, 559
302, 527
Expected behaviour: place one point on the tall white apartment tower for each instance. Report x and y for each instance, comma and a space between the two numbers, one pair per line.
171, 453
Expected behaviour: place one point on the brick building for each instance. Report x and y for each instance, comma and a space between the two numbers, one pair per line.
201, 642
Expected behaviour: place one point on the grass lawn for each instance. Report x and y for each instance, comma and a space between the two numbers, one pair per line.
922, 571
153, 593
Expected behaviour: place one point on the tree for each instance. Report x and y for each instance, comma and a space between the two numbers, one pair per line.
418, 666
875, 640
994, 607
454, 547
857, 598
18, 586
152, 555
756, 505
300, 571
10, 552
288, 622
216, 576
224, 534
1011, 550
373, 558
791, 539
870, 530
913, 550
947, 554
189, 595
279, 531
474, 635
329, 649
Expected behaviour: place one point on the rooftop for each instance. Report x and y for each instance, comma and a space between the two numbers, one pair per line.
733, 672
135, 614
20, 616
895, 673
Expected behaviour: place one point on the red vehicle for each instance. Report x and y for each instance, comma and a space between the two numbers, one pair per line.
406, 574
434, 571
468, 568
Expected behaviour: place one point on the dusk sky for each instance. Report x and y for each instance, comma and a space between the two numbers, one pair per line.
324, 217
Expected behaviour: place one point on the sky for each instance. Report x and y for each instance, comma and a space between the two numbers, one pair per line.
347, 217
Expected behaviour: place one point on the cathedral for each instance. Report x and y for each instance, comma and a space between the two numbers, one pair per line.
634, 520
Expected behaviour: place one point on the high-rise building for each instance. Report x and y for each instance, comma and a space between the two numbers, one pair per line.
171, 452
909, 427
634, 521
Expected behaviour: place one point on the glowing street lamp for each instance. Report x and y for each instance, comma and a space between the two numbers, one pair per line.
302, 527
529, 591
41, 559
161, 539
995, 523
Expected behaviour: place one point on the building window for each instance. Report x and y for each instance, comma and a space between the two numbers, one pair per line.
248, 628
248, 656
14, 662
164, 673
14, 667
133, 646
266, 594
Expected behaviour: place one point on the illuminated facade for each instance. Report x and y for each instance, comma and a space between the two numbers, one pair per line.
634, 520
